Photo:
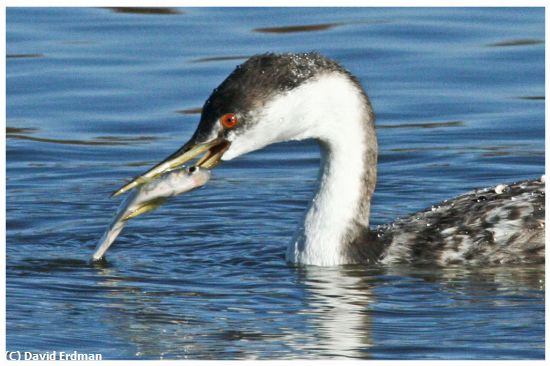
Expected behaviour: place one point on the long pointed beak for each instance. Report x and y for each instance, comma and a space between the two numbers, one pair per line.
214, 150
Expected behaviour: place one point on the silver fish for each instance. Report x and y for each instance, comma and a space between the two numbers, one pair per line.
148, 197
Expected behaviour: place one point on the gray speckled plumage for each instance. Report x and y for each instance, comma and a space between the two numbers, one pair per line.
479, 227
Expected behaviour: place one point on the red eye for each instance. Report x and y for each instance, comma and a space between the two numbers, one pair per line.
229, 120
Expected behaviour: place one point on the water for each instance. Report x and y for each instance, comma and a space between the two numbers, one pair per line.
96, 96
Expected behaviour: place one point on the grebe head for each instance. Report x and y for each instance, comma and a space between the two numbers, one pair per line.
275, 98
272, 98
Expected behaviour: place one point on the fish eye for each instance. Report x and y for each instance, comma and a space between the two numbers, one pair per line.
192, 169
229, 120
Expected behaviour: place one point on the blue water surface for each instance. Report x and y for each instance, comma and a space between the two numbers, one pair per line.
97, 95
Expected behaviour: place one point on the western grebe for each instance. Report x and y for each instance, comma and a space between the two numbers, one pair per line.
272, 98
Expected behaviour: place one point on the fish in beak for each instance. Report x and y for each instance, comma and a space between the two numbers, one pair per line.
148, 197
212, 150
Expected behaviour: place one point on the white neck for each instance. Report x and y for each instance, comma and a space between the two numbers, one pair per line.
321, 238
336, 206
333, 110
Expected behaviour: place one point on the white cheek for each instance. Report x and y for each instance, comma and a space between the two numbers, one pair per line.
313, 110
280, 120
231, 153
252, 140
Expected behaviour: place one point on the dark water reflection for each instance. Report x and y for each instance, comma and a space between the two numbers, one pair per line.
196, 110
424, 125
517, 42
297, 28
95, 96
24, 55
146, 10
25, 134
534, 97
220, 58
